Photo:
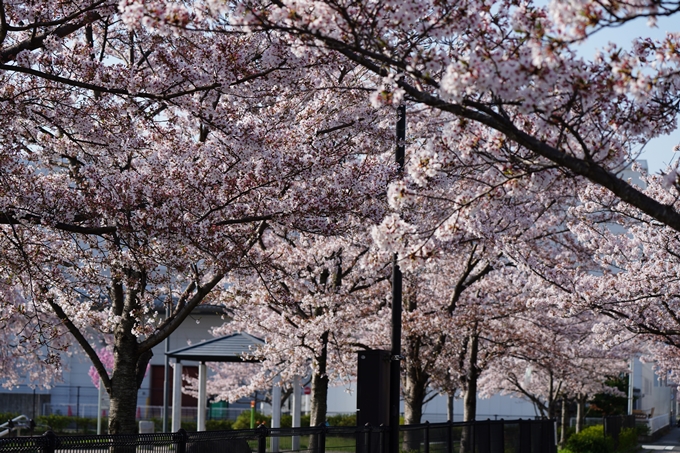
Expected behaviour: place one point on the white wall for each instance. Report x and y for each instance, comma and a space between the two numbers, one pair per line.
76, 387
654, 392
496, 407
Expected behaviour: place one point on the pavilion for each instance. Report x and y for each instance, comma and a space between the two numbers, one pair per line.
230, 348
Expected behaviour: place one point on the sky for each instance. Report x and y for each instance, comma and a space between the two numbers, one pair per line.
659, 152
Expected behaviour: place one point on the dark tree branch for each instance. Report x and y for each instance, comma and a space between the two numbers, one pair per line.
666, 214
8, 218
247, 219
37, 41
102, 89
82, 341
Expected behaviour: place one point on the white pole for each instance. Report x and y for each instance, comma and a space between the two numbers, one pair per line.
100, 396
631, 375
177, 397
201, 396
276, 412
297, 411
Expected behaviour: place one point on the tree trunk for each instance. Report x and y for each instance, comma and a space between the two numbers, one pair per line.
470, 394
123, 397
319, 394
580, 412
123, 390
416, 380
564, 422
415, 390
414, 396
129, 367
551, 398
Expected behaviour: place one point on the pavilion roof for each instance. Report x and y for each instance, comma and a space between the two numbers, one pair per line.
230, 348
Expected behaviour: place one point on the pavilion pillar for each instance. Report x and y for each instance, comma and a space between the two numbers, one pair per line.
177, 397
202, 397
276, 412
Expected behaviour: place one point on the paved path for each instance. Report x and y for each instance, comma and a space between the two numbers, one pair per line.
669, 442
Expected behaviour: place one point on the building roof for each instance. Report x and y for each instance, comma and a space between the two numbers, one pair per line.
203, 309
230, 348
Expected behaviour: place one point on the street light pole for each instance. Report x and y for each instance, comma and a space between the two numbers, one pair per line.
395, 353
400, 152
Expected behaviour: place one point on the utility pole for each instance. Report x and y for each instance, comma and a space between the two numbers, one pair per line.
395, 353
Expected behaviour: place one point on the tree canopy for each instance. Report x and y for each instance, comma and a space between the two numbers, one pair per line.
154, 150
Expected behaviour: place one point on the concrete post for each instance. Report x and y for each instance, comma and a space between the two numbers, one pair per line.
297, 411
177, 397
202, 397
276, 412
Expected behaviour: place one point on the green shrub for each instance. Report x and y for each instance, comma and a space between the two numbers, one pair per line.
286, 421
57, 423
590, 440
85, 425
570, 431
188, 426
627, 440
219, 425
7, 416
243, 420
642, 429
157, 424
343, 420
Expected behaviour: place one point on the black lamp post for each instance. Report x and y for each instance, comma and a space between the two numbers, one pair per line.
395, 353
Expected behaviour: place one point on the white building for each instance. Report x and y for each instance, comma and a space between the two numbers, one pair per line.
652, 400
76, 395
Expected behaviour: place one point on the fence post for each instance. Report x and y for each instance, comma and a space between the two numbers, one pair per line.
51, 442
180, 438
473, 427
381, 438
261, 432
367, 438
496, 436
449, 437
322, 438
426, 441
524, 436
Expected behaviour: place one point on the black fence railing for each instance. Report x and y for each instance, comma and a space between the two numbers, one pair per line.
490, 436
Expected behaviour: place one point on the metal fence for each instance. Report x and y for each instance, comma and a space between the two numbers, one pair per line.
491, 436
189, 414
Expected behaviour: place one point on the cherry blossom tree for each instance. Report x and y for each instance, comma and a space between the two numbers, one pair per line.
141, 166
316, 301
558, 357
107, 359
149, 146
32, 340
507, 70
478, 237
637, 285
519, 100
445, 296
439, 310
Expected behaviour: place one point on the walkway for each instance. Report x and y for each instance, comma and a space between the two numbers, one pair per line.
669, 442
